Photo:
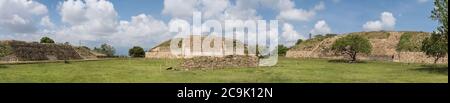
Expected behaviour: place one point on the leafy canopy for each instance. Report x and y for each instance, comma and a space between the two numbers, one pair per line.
47, 40
282, 50
106, 49
136, 51
440, 14
351, 45
435, 46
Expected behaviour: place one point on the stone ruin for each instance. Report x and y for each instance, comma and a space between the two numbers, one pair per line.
208, 62
383, 48
163, 51
199, 59
33, 51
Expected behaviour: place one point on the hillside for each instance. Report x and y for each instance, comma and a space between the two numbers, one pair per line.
401, 46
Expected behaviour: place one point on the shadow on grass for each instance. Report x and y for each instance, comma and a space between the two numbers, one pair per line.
2, 67
345, 61
438, 69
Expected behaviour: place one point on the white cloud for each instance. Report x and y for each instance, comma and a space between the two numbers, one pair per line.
290, 35
387, 22
180, 8
373, 26
141, 30
243, 10
288, 11
213, 8
388, 19
95, 21
21, 16
422, 1
46, 22
91, 17
218, 9
321, 27
73, 12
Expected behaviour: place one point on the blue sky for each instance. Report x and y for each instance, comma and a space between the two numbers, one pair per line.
330, 16
343, 16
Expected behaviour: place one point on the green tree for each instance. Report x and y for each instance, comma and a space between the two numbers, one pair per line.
106, 49
330, 35
282, 50
299, 41
136, 51
410, 42
435, 46
351, 45
440, 13
47, 40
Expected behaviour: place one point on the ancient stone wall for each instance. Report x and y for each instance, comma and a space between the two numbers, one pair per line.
299, 54
85, 53
208, 62
417, 57
160, 55
23, 51
307, 54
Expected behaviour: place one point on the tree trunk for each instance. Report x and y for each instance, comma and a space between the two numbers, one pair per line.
436, 60
352, 57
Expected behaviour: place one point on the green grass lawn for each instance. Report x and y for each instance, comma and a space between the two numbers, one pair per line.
286, 71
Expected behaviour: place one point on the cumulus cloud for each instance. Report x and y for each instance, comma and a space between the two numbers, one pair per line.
95, 21
46, 22
290, 35
218, 9
180, 8
21, 16
321, 27
243, 10
213, 8
387, 22
288, 12
73, 11
141, 30
96, 17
